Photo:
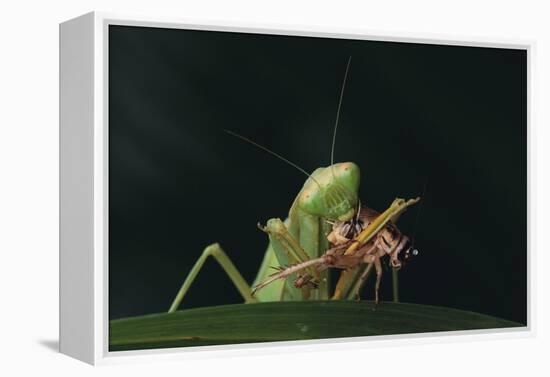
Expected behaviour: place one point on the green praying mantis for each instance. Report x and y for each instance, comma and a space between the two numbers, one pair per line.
326, 228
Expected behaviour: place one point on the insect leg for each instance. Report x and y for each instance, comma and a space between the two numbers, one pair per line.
347, 278
219, 255
285, 272
286, 247
396, 208
349, 282
288, 251
346, 281
395, 283
378, 267
392, 249
314, 242
359, 284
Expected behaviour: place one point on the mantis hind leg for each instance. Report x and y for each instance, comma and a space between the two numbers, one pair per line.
219, 255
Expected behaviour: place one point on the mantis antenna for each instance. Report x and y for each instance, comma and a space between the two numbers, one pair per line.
272, 153
338, 113
333, 136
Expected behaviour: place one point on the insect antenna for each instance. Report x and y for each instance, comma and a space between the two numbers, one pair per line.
338, 113
357, 217
272, 153
340, 100
416, 221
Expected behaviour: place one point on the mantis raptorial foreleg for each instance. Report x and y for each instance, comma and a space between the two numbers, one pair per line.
289, 251
287, 248
219, 255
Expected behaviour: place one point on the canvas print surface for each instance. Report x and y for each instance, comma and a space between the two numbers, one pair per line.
267, 187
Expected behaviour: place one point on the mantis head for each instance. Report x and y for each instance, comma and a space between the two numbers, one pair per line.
332, 192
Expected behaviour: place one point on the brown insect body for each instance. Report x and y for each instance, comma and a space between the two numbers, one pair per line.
388, 241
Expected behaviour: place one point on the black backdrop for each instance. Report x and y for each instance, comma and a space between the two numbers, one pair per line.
450, 118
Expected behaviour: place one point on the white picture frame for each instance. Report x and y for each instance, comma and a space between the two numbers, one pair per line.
84, 190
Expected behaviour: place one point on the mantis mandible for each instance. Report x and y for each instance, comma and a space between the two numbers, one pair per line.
329, 195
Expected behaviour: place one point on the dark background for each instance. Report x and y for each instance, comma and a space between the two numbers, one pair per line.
451, 119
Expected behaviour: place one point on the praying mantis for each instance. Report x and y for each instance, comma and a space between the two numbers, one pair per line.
300, 246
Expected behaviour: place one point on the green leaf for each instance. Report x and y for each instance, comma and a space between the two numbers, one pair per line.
274, 321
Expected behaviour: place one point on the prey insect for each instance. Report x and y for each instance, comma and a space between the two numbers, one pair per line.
350, 250
325, 228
